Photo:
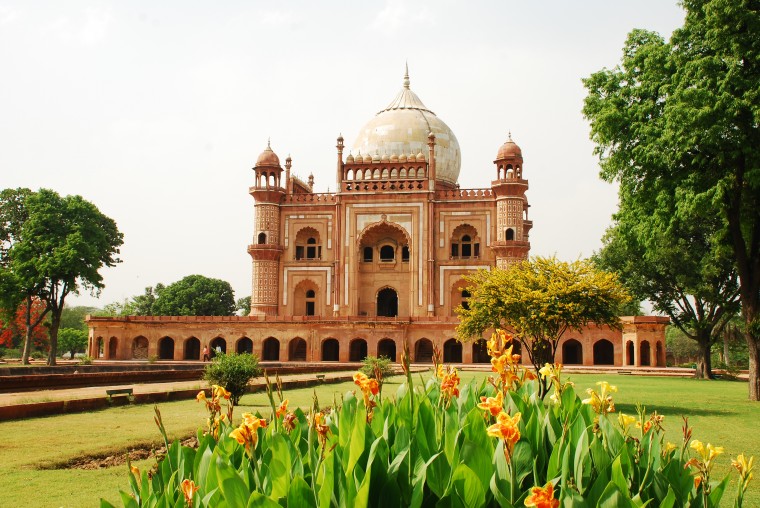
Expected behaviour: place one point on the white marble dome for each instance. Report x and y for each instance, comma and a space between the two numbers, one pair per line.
403, 127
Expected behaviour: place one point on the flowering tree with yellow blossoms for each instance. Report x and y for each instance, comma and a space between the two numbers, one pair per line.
538, 300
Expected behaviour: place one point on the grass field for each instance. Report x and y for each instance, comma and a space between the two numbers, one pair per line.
718, 411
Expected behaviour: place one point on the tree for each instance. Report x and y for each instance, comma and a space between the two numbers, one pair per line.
13, 328
686, 112
538, 301
243, 305
668, 251
233, 372
195, 295
73, 340
63, 244
73, 317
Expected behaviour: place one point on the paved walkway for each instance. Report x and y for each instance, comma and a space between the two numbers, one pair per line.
13, 399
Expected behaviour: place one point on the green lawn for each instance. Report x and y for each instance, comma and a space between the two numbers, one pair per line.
718, 411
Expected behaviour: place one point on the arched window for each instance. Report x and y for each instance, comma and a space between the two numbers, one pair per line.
262, 238
387, 302
270, 349
387, 253
465, 299
405, 254
308, 245
297, 350
604, 352
367, 254
310, 302
166, 348
357, 350
465, 243
509, 234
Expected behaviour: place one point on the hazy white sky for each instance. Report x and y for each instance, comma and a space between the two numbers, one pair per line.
156, 111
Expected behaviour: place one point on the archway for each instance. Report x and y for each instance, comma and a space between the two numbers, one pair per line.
166, 348
218, 345
572, 352
387, 302
330, 350
659, 356
387, 347
244, 345
113, 347
452, 351
192, 349
629, 353
480, 352
423, 351
645, 353
297, 350
270, 350
357, 350
604, 352
140, 348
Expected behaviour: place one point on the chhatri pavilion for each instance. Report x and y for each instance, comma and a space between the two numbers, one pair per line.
379, 263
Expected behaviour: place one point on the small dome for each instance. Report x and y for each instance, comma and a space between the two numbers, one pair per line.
402, 157
350, 158
509, 150
420, 157
376, 157
268, 158
385, 158
394, 157
367, 159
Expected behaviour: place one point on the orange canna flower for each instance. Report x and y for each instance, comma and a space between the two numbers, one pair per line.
450, 384
506, 428
189, 488
282, 409
201, 396
493, 405
360, 378
289, 422
374, 386
245, 436
542, 497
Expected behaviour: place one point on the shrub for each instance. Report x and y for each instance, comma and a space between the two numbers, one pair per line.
86, 360
381, 364
233, 371
12, 353
37, 355
490, 444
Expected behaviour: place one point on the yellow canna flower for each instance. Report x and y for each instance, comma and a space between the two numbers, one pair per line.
189, 488
506, 428
542, 497
744, 466
201, 396
626, 420
546, 371
669, 447
360, 378
493, 405
450, 384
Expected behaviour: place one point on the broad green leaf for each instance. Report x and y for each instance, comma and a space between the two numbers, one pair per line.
259, 500
468, 487
300, 494
232, 486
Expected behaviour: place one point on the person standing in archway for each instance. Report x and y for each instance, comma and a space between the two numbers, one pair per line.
205, 353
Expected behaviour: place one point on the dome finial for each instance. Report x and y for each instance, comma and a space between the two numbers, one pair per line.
509, 135
406, 76
269, 146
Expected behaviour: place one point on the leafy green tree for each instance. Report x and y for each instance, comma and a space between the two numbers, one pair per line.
73, 340
195, 295
538, 300
668, 252
73, 317
63, 243
244, 306
685, 113
17, 290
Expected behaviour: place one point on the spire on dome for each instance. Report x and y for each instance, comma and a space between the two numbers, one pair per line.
406, 99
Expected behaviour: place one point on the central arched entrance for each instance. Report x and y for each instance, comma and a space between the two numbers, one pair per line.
297, 350
387, 347
604, 353
330, 350
387, 302
357, 350
423, 351
192, 349
572, 352
480, 352
452, 351
244, 345
270, 350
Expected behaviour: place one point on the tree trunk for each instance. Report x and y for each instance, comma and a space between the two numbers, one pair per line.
55, 323
727, 334
704, 365
27, 331
753, 346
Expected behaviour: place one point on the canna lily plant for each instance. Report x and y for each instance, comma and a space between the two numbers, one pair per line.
436, 444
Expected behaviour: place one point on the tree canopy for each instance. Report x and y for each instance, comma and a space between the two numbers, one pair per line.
58, 248
538, 300
684, 114
195, 295
669, 252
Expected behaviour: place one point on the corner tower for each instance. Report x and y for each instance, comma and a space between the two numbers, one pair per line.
512, 225
267, 247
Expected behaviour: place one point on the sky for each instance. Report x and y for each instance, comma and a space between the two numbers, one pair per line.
156, 111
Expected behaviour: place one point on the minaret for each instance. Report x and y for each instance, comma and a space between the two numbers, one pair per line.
267, 247
512, 225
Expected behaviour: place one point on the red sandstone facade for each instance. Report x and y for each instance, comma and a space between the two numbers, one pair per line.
377, 264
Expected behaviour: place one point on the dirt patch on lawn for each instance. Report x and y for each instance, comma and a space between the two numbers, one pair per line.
106, 460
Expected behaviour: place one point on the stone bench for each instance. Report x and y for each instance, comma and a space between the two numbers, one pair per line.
120, 391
